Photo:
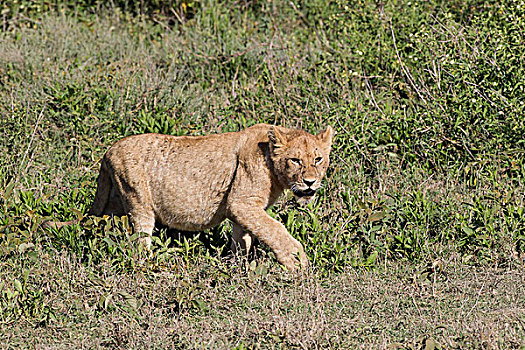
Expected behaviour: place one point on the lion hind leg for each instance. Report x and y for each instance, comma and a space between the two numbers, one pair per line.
143, 222
242, 240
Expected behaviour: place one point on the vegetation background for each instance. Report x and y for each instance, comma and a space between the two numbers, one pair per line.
416, 241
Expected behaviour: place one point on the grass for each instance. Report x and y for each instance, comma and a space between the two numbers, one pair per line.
417, 238
221, 305
215, 305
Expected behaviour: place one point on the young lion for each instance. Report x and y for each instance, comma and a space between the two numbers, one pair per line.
194, 183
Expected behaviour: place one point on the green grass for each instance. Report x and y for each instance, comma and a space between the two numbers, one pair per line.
418, 234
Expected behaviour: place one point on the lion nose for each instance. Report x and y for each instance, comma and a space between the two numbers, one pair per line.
309, 183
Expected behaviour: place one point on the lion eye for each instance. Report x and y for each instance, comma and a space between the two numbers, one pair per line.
295, 161
318, 160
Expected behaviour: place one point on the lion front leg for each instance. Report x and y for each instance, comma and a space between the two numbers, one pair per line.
287, 249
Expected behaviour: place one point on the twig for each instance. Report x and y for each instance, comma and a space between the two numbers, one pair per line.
12, 103
164, 25
223, 59
31, 140
179, 18
476, 302
405, 70
300, 14
372, 95
521, 322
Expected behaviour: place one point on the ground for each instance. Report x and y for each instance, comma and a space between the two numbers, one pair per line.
416, 239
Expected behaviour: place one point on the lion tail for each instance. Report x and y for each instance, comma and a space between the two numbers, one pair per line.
58, 224
99, 204
104, 185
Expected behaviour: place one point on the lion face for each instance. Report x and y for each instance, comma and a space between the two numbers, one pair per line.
300, 160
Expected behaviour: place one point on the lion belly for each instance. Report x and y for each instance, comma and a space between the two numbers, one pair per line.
189, 211
190, 192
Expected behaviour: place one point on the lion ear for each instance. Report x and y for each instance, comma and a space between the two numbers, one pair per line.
277, 139
326, 136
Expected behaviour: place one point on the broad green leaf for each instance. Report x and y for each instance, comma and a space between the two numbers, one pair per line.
379, 215
18, 285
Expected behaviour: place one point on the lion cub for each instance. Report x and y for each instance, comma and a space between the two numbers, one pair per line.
194, 183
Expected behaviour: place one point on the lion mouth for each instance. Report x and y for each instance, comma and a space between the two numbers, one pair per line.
304, 193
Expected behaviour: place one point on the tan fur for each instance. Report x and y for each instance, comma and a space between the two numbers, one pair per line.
194, 183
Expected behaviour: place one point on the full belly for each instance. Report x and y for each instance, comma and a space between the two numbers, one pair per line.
191, 205
191, 181
194, 217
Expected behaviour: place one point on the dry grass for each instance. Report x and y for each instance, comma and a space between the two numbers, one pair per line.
396, 306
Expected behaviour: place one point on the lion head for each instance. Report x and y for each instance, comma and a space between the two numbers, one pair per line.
300, 159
